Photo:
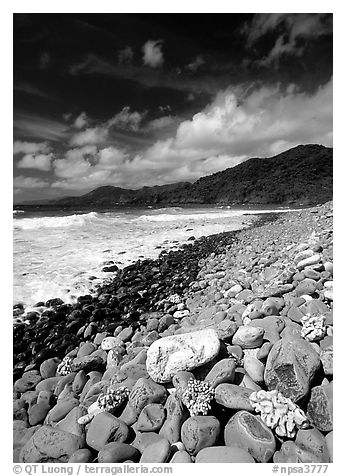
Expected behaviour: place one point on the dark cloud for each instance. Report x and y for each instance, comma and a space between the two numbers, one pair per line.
125, 55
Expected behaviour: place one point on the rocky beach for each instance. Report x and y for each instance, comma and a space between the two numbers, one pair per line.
218, 352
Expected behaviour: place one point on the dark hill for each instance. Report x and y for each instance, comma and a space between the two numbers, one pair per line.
302, 175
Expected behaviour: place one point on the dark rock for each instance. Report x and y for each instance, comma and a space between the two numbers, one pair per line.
320, 407
48, 445
199, 432
290, 367
105, 427
116, 452
248, 432
224, 454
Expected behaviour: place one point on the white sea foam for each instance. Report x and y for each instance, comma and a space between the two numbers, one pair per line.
55, 222
167, 217
63, 256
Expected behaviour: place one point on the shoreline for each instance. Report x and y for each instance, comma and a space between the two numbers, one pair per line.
219, 282
97, 269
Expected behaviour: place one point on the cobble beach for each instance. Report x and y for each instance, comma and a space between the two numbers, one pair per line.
220, 351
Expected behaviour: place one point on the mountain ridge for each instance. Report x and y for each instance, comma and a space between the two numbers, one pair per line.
301, 175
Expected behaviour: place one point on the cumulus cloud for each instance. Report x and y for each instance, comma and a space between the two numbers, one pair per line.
292, 28
81, 121
76, 162
30, 147
153, 55
38, 161
126, 120
161, 123
92, 135
125, 56
238, 124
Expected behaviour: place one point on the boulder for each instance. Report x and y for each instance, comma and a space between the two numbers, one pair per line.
146, 391
291, 366
48, 367
181, 457
28, 381
50, 445
233, 396
250, 433
151, 417
320, 407
158, 452
176, 414
116, 452
169, 355
199, 432
105, 427
248, 337
223, 371
224, 454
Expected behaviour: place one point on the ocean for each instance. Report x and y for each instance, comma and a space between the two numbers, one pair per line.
59, 253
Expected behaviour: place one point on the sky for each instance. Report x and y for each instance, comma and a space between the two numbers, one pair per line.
132, 100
